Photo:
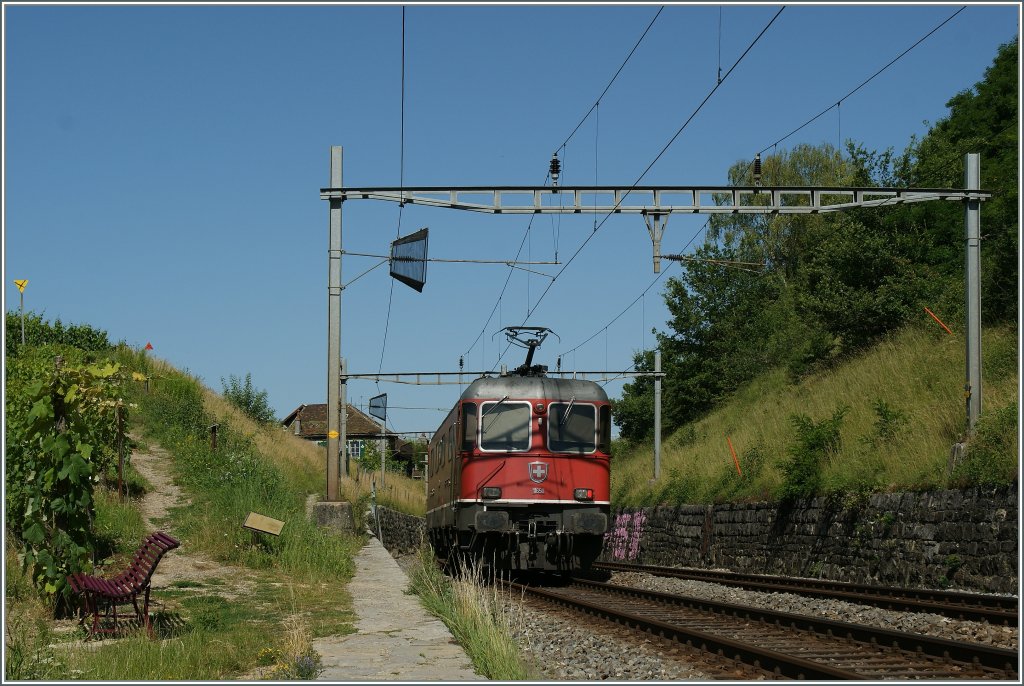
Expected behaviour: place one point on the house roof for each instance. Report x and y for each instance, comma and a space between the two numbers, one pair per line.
313, 422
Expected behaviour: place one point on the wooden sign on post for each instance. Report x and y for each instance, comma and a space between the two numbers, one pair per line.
262, 524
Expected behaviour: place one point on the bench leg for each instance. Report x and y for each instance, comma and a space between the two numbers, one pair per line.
145, 614
89, 608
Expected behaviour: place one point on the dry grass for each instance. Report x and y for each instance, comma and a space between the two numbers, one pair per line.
480, 615
917, 374
286, 449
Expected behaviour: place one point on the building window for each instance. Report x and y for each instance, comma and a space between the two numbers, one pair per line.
355, 449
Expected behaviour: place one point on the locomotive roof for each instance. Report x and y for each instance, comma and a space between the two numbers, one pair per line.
535, 387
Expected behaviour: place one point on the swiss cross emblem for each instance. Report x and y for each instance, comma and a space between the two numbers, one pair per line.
538, 471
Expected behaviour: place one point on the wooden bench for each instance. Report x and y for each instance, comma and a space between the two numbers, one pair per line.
101, 595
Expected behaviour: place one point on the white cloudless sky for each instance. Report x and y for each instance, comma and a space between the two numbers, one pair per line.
163, 165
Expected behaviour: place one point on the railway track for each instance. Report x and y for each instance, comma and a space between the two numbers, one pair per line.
778, 644
998, 610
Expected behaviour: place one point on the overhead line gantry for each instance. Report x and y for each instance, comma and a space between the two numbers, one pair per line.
656, 204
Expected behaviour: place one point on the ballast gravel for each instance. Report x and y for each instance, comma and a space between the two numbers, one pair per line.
575, 648
561, 646
838, 610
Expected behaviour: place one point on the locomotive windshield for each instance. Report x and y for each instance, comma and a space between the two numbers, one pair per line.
572, 428
505, 426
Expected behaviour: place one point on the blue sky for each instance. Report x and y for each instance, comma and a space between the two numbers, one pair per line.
163, 165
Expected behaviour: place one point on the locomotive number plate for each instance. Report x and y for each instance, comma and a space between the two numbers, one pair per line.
538, 490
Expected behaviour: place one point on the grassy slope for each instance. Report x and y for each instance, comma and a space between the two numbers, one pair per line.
399, 491
299, 580
917, 373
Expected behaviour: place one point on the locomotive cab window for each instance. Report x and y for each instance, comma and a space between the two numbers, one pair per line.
605, 430
468, 425
505, 426
572, 428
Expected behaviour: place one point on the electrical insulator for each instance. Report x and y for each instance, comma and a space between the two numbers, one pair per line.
460, 363
559, 367
555, 169
757, 169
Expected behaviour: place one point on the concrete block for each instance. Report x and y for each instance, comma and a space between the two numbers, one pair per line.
335, 515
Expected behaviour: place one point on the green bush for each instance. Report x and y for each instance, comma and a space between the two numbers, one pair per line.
815, 443
889, 421
41, 332
991, 458
246, 397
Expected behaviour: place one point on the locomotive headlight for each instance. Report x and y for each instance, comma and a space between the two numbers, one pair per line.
585, 494
491, 492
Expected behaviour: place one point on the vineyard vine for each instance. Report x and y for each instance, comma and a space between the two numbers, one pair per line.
64, 411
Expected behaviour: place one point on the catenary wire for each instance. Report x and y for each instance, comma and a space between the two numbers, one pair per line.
555, 230
865, 82
644, 173
401, 205
836, 105
638, 298
619, 71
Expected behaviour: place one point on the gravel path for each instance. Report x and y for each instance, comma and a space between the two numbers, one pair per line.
183, 564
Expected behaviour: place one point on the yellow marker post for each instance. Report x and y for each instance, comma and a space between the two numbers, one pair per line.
21, 283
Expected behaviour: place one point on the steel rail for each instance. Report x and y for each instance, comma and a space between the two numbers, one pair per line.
766, 659
968, 654
994, 609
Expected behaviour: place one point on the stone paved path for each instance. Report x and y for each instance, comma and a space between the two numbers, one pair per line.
396, 639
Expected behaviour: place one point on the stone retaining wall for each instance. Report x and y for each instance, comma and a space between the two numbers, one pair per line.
967, 539
402, 533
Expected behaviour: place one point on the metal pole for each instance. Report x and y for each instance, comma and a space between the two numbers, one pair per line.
972, 232
333, 327
657, 414
343, 458
22, 316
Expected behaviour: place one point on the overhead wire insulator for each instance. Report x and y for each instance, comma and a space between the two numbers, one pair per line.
555, 169
757, 169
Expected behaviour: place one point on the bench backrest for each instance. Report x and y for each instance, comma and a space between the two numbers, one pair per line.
144, 562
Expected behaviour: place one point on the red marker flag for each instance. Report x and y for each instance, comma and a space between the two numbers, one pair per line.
149, 346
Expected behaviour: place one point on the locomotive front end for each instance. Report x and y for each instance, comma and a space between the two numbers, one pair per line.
530, 487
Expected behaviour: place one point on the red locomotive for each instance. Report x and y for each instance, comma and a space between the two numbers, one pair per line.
518, 471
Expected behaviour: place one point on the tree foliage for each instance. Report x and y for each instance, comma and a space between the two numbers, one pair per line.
829, 285
247, 398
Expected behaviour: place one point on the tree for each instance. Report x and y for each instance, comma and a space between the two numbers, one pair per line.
982, 119
250, 400
831, 284
634, 412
